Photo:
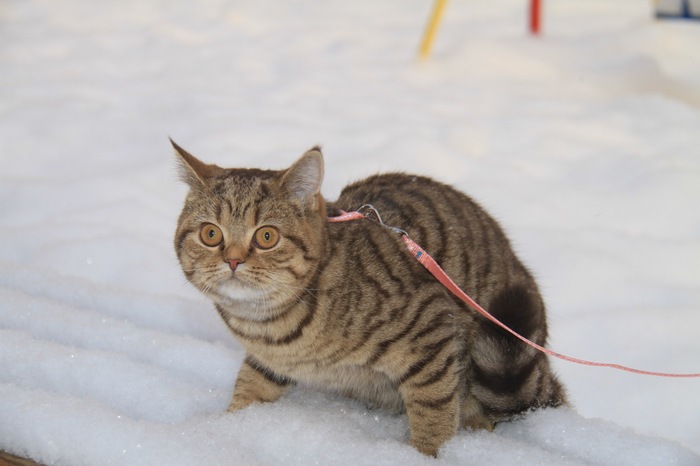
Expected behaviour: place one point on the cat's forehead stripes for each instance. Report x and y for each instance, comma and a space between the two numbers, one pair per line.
240, 195
241, 182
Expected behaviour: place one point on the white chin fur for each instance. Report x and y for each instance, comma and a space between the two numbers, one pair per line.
245, 302
237, 292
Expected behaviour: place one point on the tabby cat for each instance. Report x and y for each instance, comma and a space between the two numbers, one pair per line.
345, 307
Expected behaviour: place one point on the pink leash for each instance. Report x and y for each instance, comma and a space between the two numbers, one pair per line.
429, 263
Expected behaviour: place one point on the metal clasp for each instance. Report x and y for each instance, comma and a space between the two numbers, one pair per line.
369, 211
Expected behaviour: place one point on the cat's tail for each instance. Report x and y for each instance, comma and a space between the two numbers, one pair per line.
507, 376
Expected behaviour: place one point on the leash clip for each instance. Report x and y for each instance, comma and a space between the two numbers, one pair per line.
369, 211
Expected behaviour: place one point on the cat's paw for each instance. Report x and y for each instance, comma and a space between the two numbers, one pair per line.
478, 423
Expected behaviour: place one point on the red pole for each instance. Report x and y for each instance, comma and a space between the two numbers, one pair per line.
535, 14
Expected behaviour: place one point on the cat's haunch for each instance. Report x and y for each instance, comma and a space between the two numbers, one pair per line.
344, 307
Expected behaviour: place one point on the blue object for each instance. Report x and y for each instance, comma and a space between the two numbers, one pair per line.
678, 9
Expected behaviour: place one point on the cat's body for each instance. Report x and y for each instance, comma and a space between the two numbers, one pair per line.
345, 307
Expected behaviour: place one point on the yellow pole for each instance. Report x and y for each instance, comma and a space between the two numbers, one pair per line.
430, 31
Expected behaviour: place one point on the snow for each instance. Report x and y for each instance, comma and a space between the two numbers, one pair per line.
583, 143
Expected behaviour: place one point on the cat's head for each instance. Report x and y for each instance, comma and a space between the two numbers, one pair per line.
251, 239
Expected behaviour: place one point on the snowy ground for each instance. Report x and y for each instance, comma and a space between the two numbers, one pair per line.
584, 143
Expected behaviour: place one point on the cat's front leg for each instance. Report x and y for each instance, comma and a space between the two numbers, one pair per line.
431, 397
257, 384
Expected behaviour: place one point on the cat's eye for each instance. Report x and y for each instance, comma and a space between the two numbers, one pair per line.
266, 237
211, 235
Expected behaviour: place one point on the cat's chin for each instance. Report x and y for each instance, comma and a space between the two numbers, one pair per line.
235, 291
245, 301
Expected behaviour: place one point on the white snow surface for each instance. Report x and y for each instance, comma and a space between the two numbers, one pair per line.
584, 143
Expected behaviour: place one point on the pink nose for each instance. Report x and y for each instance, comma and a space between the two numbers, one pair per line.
233, 263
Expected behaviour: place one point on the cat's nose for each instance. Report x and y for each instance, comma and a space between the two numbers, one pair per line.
234, 255
233, 263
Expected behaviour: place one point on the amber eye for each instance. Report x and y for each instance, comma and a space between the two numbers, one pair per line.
266, 237
211, 235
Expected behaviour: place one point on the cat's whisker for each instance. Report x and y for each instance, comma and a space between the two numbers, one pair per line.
294, 292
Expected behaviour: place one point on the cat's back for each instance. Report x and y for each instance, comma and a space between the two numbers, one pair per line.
450, 225
468, 243
415, 202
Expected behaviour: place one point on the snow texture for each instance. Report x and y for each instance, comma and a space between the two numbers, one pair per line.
584, 143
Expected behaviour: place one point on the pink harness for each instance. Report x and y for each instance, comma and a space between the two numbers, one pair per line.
429, 263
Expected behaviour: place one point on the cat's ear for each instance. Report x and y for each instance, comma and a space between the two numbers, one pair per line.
303, 180
193, 171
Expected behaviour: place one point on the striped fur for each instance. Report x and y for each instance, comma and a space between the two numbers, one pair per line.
344, 307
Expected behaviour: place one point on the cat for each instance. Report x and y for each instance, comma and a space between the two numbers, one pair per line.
344, 306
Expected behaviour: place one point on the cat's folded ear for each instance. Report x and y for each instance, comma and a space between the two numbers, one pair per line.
303, 180
193, 171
